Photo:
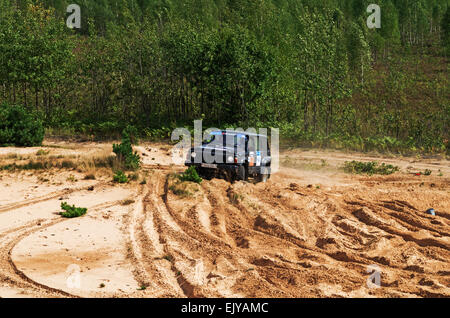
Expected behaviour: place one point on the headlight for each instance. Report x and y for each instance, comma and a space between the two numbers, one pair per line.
193, 155
230, 159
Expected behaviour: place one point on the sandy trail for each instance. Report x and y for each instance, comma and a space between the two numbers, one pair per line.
311, 231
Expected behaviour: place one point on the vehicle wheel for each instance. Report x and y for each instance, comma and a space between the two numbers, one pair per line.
209, 175
204, 173
241, 174
229, 176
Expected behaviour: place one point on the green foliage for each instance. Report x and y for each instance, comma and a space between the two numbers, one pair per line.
369, 168
190, 175
120, 177
19, 127
124, 151
70, 211
311, 68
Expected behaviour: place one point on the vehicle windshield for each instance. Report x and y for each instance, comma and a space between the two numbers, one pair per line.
229, 140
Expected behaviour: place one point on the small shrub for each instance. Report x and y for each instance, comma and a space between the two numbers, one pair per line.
89, 177
427, 172
71, 211
369, 168
124, 151
190, 175
120, 177
20, 127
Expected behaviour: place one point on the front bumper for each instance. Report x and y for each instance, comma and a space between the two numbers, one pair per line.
221, 166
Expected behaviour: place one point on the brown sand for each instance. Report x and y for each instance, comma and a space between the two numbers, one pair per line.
311, 231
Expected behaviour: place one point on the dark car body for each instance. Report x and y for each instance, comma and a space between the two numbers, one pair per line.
233, 153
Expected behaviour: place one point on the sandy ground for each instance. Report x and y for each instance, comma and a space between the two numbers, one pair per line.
311, 231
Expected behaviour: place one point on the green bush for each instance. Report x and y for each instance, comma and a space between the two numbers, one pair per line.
124, 151
120, 177
190, 175
71, 211
369, 168
19, 127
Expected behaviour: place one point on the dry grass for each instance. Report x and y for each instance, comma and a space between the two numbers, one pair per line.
86, 163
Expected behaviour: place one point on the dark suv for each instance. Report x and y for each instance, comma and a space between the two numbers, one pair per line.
235, 154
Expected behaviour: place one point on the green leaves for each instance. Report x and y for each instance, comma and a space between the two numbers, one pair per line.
369, 168
19, 127
311, 66
190, 175
124, 151
120, 177
70, 211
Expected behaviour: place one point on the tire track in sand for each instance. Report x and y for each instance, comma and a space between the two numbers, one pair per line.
146, 251
51, 196
16, 278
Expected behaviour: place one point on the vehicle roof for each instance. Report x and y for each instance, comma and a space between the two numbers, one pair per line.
232, 132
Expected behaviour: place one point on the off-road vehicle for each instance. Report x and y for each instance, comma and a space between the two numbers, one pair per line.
234, 154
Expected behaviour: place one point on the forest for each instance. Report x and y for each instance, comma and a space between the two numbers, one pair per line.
311, 68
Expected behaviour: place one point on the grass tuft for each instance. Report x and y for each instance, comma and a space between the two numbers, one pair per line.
71, 211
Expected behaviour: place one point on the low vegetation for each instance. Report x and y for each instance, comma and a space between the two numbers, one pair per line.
124, 151
120, 177
190, 175
59, 162
369, 168
70, 211
311, 68
19, 127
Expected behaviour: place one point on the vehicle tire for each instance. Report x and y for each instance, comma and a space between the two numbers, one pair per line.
241, 174
204, 173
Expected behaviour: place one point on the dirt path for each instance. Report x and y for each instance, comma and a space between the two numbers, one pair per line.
311, 231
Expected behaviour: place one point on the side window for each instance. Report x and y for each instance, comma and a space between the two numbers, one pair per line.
252, 144
263, 145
